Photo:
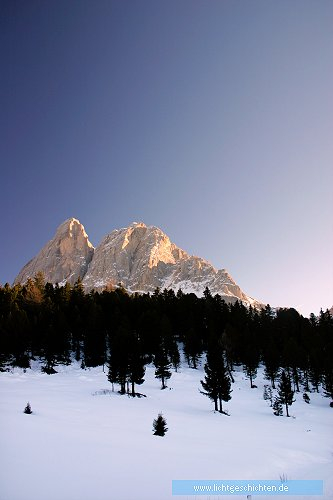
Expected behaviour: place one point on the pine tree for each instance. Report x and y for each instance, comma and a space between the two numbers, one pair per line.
277, 407
159, 426
136, 363
174, 355
328, 383
306, 398
251, 357
285, 392
210, 383
217, 384
28, 409
118, 361
271, 358
162, 365
192, 346
224, 386
268, 396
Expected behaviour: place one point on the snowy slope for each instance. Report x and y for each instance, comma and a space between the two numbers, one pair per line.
82, 444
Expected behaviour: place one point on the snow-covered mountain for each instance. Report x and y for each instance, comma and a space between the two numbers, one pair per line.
139, 257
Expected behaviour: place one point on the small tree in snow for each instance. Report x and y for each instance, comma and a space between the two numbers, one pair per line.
159, 426
268, 396
28, 409
306, 398
277, 407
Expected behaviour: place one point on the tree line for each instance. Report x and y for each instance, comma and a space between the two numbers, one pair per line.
126, 332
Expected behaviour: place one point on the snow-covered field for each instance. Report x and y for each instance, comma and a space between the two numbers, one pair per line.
82, 444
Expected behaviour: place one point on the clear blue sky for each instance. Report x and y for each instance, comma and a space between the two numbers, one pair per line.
209, 119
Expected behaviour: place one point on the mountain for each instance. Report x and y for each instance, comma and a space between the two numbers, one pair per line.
64, 258
141, 258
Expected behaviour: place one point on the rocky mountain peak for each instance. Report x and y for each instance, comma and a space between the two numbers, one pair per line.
140, 257
64, 258
73, 230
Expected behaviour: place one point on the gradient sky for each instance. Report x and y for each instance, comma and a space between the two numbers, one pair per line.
209, 119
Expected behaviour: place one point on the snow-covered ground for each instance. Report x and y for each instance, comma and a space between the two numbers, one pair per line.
84, 442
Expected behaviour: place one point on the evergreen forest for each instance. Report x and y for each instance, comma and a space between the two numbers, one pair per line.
125, 332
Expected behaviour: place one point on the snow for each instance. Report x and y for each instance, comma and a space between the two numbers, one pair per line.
84, 442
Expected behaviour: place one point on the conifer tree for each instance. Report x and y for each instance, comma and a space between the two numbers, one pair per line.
217, 384
306, 398
210, 383
228, 347
28, 409
192, 346
271, 360
277, 407
328, 383
159, 426
136, 363
162, 365
119, 356
251, 357
268, 396
224, 390
285, 392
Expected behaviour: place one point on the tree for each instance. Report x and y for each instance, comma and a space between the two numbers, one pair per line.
228, 347
119, 355
28, 409
306, 398
328, 384
271, 358
136, 362
209, 384
174, 355
224, 386
268, 396
159, 426
277, 407
192, 346
251, 356
285, 391
217, 382
162, 365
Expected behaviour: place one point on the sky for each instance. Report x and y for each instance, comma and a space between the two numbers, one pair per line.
209, 119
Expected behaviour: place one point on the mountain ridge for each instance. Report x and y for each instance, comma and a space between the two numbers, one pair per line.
139, 257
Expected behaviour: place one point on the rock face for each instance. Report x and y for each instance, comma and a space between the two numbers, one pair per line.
143, 258
64, 258
139, 257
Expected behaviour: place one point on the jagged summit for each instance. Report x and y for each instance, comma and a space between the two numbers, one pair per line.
72, 226
64, 258
140, 257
